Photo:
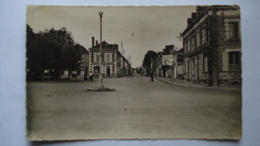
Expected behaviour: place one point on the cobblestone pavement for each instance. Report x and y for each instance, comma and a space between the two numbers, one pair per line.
138, 109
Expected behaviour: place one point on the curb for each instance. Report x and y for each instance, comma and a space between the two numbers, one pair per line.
183, 85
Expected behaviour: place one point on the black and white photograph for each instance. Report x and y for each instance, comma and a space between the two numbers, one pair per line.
133, 72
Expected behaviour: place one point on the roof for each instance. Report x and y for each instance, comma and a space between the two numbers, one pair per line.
202, 10
181, 50
105, 45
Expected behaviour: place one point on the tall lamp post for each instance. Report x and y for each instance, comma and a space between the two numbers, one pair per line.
101, 85
100, 55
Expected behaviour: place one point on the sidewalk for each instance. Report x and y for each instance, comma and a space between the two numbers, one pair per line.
185, 83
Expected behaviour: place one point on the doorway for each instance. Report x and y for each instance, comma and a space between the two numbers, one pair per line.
108, 71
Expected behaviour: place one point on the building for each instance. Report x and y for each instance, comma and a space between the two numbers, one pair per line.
212, 45
179, 63
165, 62
169, 62
114, 63
159, 70
84, 65
80, 71
123, 66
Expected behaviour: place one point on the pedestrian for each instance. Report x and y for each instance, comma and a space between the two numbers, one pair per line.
85, 77
151, 76
90, 77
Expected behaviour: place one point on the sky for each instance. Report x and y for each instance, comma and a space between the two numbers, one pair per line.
139, 28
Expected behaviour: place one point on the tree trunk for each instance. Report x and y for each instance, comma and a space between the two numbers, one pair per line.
42, 77
69, 74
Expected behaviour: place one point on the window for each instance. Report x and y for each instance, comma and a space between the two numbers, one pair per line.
206, 64
97, 57
204, 35
193, 63
82, 68
185, 47
108, 58
198, 38
91, 56
186, 67
103, 69
122, 63
234, 61
91, 69
96, 69
179, 59
113, 57
188, 46
233, 30
193, 42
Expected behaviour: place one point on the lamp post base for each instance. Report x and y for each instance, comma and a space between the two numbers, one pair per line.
102, 88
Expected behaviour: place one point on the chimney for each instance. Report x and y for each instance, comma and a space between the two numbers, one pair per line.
201, 9
93, 41
189, 20
193, 16
96, 42
116, 46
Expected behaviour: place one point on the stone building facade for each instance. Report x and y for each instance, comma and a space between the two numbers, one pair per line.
175, 69
83, 65
123, 66
81, 71
179, 63
212, 45
113, 63
164, 70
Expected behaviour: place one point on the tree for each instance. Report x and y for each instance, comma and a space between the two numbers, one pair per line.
52, 50
149, 57
41, 53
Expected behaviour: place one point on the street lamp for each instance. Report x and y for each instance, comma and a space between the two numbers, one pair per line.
101, 86
100, 55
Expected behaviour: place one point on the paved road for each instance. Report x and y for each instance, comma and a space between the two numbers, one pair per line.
138, 109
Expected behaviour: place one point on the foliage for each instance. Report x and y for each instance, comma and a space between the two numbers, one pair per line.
52, 50
150, 57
